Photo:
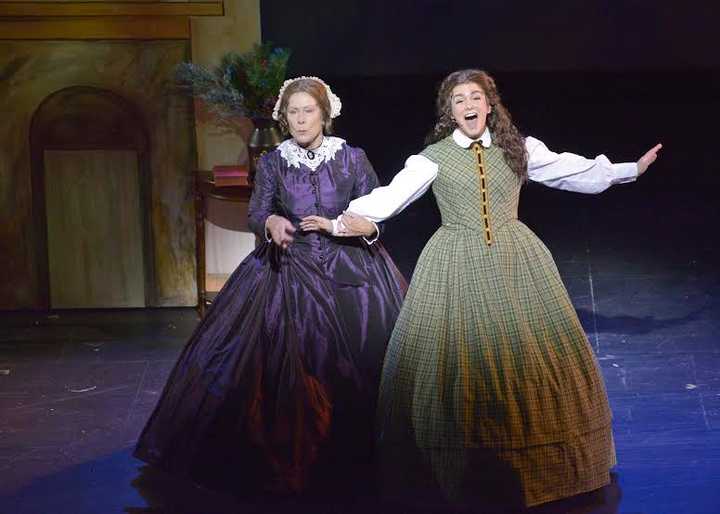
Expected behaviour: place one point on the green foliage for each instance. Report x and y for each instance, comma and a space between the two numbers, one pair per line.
242, 85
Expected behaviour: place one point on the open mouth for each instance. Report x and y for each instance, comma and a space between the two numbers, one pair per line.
471, 116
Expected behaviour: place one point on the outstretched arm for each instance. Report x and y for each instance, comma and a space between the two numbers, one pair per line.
387, 201
573, 172
406, 187
365, 181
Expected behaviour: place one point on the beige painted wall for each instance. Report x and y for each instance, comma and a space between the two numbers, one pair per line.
237, 31
140, 72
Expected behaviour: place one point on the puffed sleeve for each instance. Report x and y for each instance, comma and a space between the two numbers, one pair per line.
365, 181
262, 201
407, 186
572, 172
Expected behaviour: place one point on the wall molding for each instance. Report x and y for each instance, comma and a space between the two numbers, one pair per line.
74, 9
101, 20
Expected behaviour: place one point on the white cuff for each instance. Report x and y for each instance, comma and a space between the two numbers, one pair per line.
625, 172
337, 226
377, 234
268, 237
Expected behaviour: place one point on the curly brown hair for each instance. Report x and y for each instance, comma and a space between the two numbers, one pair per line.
314, 89
499, 121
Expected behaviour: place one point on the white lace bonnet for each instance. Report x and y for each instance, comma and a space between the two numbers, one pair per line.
335, 103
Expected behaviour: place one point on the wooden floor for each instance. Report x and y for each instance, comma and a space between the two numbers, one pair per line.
77, 386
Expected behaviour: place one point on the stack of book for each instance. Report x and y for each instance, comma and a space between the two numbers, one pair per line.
230, 175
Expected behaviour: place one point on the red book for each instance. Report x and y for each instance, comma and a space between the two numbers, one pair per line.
230, 175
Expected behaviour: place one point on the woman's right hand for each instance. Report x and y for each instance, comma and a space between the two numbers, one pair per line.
356, 225
280, 229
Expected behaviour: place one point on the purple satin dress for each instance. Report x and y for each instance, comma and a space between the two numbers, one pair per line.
276, 388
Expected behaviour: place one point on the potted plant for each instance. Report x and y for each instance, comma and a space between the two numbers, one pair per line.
241, 85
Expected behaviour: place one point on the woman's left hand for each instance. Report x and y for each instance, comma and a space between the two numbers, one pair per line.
647, 159
316, 224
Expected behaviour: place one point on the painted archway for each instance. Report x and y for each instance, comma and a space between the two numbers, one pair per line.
90, 159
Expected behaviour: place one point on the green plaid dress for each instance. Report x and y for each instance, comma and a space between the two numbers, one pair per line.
490, 388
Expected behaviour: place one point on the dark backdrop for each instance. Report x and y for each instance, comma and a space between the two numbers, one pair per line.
390, 37
605, 77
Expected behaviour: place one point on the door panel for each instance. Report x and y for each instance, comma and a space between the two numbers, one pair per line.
94, 222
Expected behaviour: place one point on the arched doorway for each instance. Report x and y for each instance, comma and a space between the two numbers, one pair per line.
91, 191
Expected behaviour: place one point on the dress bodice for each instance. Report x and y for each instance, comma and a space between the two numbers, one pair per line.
295, 187
458, 187
324, 191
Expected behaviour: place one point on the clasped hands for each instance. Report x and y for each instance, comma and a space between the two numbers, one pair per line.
281, 230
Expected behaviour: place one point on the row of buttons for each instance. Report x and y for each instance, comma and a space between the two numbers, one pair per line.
477, 148
316, 191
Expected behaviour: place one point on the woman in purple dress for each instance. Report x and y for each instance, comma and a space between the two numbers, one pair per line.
276, 388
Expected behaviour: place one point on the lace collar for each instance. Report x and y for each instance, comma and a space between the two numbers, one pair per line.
294, 155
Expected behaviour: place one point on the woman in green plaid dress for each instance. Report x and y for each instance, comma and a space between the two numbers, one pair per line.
490, 390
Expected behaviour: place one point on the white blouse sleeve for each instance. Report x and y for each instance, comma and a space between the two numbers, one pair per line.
572, 172
406, 187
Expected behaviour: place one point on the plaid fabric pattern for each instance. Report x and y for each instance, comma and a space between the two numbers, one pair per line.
488, 352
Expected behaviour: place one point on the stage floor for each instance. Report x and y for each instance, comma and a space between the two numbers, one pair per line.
76, 387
